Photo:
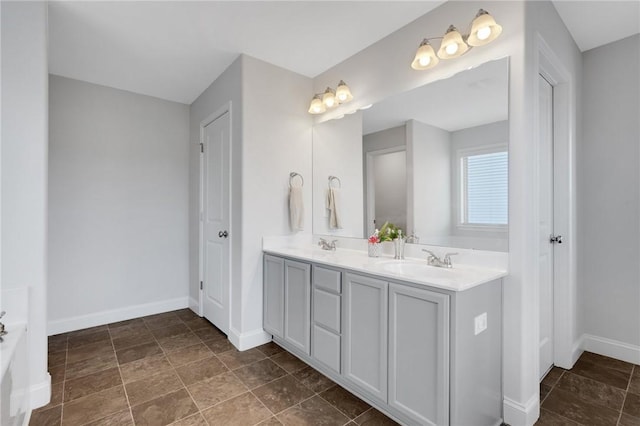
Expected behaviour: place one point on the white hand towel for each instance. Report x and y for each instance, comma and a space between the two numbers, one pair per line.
296, 208
333, 204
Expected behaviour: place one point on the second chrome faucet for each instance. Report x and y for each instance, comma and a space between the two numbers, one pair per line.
434, 260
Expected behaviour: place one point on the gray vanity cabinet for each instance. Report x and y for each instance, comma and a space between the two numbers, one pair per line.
287, 306
419, 353
326, 330
273, 288
365, 334
297, 304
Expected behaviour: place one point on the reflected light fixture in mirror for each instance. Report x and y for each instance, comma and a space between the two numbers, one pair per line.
330, 98
484, 30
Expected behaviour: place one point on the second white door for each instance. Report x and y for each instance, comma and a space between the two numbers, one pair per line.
215, 216
546, 163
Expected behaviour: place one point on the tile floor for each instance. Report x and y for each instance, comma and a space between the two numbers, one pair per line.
176, 368
597, 391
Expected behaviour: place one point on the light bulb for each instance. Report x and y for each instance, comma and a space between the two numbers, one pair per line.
451, 49
425, 57
316, 107
343, 93
484, 29
329, 98
453, 44
484, 33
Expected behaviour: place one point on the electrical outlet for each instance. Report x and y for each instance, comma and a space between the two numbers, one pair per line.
480, 323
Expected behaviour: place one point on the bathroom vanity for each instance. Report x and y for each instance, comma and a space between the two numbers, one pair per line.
420, 343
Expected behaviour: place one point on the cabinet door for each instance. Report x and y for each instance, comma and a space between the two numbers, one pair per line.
419, 354
365, 334
273, 309
297, 304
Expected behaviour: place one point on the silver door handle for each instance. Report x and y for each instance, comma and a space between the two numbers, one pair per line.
223, 234
553, 239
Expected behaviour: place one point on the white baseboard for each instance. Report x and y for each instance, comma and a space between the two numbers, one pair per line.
517, 414
40, 393
194, 305
251, 339
115, 315
611, 348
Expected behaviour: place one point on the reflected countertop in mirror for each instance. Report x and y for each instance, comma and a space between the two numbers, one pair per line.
433, 161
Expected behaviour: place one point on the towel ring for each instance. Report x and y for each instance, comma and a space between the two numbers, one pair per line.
292, 175
332, 178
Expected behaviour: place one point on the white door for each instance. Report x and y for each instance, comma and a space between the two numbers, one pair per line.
545, 144
215, 216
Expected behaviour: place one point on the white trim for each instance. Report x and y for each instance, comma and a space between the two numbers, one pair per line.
224, 109
40, 393
121, 314
251, 339
611, 348
521, 414
565, 270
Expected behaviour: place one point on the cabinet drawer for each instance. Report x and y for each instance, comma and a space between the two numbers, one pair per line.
326, 309
327, 279
326, 348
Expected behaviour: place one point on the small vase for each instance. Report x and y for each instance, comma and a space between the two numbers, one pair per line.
374, 249
398, 245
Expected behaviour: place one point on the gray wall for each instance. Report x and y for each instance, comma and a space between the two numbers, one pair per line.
118, 202
609, 189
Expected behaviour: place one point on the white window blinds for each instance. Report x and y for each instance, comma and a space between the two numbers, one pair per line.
485, 192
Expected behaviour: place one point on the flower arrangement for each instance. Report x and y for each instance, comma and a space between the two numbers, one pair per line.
389, 232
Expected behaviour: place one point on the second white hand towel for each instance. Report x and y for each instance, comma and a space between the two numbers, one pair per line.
296, 208
333, 204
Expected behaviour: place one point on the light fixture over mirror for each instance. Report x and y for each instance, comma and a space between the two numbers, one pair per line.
330, 98
425, 57
484, 30
317, 106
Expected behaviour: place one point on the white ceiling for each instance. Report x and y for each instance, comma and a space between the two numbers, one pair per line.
470, 98
596, 23
175, 49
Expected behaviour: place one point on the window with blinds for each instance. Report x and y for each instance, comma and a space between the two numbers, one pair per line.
484, 188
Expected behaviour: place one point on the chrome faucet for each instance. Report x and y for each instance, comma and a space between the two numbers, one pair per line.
2, 332
434, 260
325, 245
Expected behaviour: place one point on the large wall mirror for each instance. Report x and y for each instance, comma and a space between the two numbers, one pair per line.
433, 161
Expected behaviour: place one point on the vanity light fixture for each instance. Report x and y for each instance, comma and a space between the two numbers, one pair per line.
425, 57
330, 98
317, 106
484, 30
452, 44
343, 93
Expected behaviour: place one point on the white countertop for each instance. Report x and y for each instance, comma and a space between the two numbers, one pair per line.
460, 277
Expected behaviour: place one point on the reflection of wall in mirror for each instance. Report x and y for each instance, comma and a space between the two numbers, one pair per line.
337, 148
429, 181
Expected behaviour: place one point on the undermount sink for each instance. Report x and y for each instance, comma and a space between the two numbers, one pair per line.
414, 268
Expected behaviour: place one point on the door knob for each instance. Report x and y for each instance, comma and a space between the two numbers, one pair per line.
553, 239
223, 234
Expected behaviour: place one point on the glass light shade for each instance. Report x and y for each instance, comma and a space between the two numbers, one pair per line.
329, 98
484, 29
343, 93
425, 57
317, 106
452, 44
